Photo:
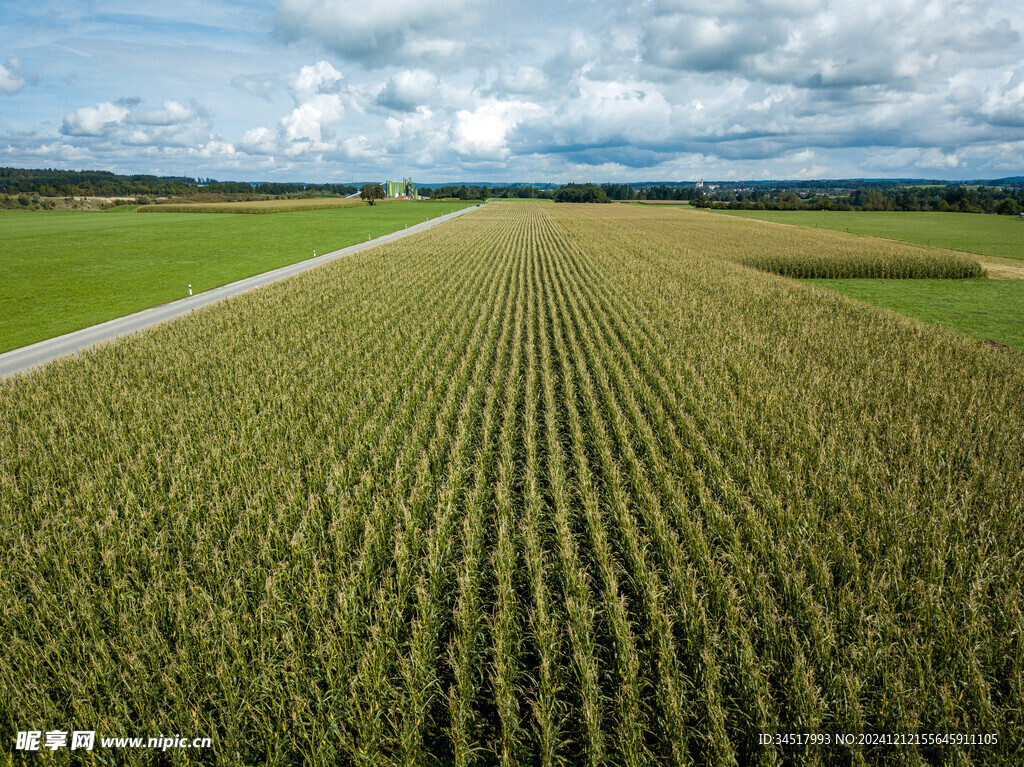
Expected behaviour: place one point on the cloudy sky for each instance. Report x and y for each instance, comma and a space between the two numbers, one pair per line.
555, 90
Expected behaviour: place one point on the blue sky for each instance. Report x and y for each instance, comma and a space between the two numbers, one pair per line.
340, 90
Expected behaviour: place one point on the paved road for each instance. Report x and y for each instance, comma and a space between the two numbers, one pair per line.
27, 357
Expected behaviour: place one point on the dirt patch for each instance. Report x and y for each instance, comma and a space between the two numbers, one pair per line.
1002, 268
996, 345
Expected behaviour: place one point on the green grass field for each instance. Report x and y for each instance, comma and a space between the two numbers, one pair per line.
549, 485
984, 309
65, 270
987, 235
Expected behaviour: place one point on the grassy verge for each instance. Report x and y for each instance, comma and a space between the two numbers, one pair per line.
66, 270
988, 235
984, 309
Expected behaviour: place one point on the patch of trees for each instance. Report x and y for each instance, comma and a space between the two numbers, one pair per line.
580, 193
666, 192
371, 193
523, 192
619, 191
458, 191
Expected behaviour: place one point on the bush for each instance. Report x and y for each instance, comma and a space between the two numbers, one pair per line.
1008, 207
581, 193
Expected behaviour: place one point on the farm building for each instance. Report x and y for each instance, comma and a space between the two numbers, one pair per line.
403, 188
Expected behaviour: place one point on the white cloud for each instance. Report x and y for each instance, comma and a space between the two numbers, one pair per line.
661, 89
260, 85
523, 79
94, 121
828, 43
936, 158
215, 149
814, 172
408, 89
375, 33
601, 113
173, 113
122, 124
58, 150
481, 133
923, 158
774, 95
1000, 156
435, 48
11, 80
358, 148
318, 94
1004, 101
260, 141
310, 120
418, 133
318, 78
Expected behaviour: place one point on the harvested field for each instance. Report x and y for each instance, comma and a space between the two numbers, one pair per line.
258, 206
1002, 268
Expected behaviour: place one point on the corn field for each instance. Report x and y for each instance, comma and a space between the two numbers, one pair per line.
547, 485
826, 254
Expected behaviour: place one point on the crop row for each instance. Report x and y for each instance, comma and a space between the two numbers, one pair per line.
551, 484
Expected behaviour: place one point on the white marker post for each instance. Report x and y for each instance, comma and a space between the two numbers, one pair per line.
190, 288
314, 254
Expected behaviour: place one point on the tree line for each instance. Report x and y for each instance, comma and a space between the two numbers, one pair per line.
1005, 197
457, 191
957, 198
98, 183
960, 198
